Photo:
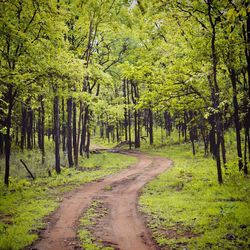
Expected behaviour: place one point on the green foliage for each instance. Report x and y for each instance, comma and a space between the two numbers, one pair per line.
25, 203
189, 209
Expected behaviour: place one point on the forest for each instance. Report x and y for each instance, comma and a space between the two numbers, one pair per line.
90, 89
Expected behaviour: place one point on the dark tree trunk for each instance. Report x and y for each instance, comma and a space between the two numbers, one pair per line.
74, 134
134, 95
102, 130
246, 35
17, 135
1, 143
151, 124
125, 111
57, 132
212, 141
30, 129
78, 133
245, 152
223, 148
168, 124
63, 127
129, 116
39, 124
23, 130
10, 100
117, 132
34, 130
185, 126
88, 143
69, 131
215, 91
42, 129
84, 130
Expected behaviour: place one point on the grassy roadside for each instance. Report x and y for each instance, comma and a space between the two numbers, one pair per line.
187, 209
25, 204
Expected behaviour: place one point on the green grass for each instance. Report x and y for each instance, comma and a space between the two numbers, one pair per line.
88, 220
188, 209
25, 203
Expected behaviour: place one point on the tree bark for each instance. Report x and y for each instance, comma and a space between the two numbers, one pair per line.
84, 130
63, 126
23, 130
151, 124
42, 129
1, 143
10, 100
69, 132
215, 91
236, 118
74, 134
29, 128
57, 132
125, 111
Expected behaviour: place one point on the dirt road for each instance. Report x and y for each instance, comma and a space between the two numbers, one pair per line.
123, 228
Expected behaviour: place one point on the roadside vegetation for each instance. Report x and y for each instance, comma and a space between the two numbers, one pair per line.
187, 208
25, 203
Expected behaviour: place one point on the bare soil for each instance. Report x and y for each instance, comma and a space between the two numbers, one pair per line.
123, 227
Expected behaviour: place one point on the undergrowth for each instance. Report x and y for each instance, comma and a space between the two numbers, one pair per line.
25, 203
188, 209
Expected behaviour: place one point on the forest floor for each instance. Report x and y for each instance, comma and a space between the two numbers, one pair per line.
120, 226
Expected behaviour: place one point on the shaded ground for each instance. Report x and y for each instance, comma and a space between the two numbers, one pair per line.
123, 227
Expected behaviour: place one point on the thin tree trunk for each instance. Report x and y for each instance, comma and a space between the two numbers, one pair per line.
215, 92
151, 124
42, 129
84, 130
10, 99
1, 143
57, 132
88, 143
125, 111
23, 130
69, 132
129, 116
63, 126
29, 128
74, 134
78, 134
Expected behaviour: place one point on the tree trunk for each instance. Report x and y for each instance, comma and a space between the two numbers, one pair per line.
63, 127
30, 128
17, 135
78, 134
215, 91
129, 116
74, 134
151, 124
125, 111
236, 118
69, 132
223, 148
42, 129
84, 130
10, 99
1, 143
57, 132
23, 130
88, 143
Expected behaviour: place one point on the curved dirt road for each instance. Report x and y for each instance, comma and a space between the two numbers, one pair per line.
123, 228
